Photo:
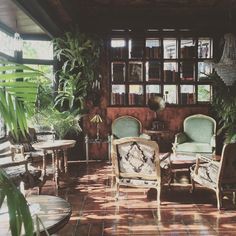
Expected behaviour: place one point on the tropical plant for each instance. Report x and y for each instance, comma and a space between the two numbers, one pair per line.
64, 123
224, 107
79, 54
18, 93
18, 209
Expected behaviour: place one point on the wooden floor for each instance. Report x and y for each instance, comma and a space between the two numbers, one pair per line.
95, 211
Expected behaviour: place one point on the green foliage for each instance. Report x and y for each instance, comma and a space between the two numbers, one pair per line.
79, 54
18, 93
19, 213
64, 123
224, 105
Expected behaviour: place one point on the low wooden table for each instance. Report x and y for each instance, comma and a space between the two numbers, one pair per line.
54, 212
55, 146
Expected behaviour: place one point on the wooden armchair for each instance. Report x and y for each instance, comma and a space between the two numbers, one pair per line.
218, 176
18, 169
137, 163
198, 136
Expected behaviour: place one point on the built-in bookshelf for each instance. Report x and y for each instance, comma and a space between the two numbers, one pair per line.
172, 64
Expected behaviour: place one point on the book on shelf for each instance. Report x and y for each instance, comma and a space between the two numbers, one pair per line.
118, 52
187, 98
118, 98
187, 52
154, 71
153, 52
187, 70
135, 99
118, 73
170, 76
136, 48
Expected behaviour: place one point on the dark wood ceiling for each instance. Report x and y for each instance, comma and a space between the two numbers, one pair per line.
107, 14
56, 16
14, 19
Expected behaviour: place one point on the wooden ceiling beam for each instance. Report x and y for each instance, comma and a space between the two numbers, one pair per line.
39, 15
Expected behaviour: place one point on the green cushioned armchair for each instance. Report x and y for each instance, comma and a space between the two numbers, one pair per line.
127, 126
198, 135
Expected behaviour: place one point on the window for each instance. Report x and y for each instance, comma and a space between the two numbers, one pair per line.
6, 45
36, 49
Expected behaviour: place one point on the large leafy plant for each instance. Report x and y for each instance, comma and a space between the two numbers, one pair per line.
19, 213
18, 93
79, 54
224, 106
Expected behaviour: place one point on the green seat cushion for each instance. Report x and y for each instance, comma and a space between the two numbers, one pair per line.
194, 147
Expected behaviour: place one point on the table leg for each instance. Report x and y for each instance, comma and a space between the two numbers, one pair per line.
65, 160
86, 149
56, 174
44, 163
53, 164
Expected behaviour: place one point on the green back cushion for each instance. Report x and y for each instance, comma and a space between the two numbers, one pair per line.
125, 127
199, 129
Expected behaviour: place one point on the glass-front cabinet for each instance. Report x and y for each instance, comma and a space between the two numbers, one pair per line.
174, 66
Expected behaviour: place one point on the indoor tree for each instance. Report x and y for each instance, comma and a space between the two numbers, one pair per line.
224, 107
79, 55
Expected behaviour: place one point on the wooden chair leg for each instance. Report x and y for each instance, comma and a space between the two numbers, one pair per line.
158, 196
234, 200
117, 190
219, 199
192, 185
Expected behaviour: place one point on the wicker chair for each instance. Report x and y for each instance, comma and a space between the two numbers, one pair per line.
218, 176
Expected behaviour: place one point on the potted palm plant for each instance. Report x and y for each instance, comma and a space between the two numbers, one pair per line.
18, 93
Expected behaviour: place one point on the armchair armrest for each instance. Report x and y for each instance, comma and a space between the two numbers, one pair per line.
207, 159
213, 141
165, 160
181, 138
145, 136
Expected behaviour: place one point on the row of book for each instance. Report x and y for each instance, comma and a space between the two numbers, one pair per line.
119, 53
136, 52
170, 76
187, 98
153, 52
118, 73
118, 98
135, 99
187, 52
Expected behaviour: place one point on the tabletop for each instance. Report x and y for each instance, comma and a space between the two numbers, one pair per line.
56, 144
54, 212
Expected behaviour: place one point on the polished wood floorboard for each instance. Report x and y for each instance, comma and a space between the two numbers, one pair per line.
96, 213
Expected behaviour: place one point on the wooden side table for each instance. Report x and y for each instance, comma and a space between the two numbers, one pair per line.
88, 141
162, 137
53, 211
